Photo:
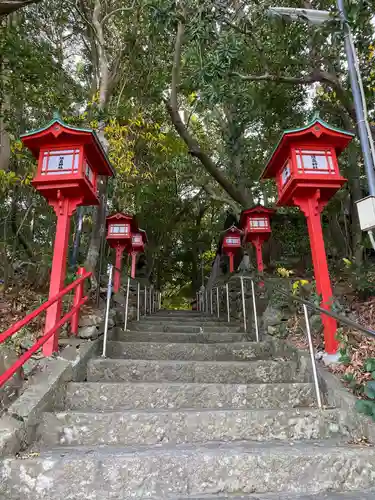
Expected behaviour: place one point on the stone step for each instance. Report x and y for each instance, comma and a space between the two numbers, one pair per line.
150, 427
222, 372
240, 351
351, 495
195, 319
165, 472
156, 336
123, 396
182, 327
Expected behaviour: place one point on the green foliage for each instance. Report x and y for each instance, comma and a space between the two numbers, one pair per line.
367, 406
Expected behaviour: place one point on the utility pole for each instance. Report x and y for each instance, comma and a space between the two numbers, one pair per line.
358, 101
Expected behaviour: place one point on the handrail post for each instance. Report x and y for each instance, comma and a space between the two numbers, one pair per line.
109, 294
138, 300
127, 305
255, 311
228, 306
78, 295
243, 304
218, 303
312, 356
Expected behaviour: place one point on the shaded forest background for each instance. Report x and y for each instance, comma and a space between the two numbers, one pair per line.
192, 97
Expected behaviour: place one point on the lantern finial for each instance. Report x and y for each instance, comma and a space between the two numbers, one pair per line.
316, 116
56, 115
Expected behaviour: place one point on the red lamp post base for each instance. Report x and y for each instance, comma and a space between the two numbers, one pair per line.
117, 278
231, 262
64, 209
134, 260
312, 207
258, 243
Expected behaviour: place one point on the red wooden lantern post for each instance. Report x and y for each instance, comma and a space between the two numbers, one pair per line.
231, 244
139, 239
255, 222
70, 160
119, 237
305, 166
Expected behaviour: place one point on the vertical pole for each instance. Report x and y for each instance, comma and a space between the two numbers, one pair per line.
211, 302
159, 301
358, 103
150, 299
312, 356
145, 300
258, 250
227, 294
243, 303
127, 304
58, 270
312, 208
218, 302
78, 295
138, 300
109, 293
255, 312
134, 260
118, 264
231, 263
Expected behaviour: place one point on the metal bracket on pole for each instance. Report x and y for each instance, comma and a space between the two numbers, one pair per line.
243, 304
109, 294
127, 305
255, 311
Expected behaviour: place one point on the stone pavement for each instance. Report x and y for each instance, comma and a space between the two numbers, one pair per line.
186, 407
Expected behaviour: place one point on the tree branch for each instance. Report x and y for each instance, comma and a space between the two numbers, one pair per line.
9, 6
192, 144
316, 76
103, 63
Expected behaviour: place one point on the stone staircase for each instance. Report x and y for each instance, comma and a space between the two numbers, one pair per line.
185, 407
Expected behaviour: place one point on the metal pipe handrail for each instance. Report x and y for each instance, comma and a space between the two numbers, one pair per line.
154, 304
307, 321
314, 307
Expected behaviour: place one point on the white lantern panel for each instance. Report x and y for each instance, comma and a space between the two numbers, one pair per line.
63, 162
285, 173
137, 240
314, 162
120, 229
258, 223
89, 174
232, 241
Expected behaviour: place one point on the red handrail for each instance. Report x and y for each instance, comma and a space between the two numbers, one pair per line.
26, 320
38, 344
78, 303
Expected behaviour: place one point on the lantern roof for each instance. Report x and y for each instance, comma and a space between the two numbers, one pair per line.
314, 130
232, 229
123, 217
256, 210
58, 132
